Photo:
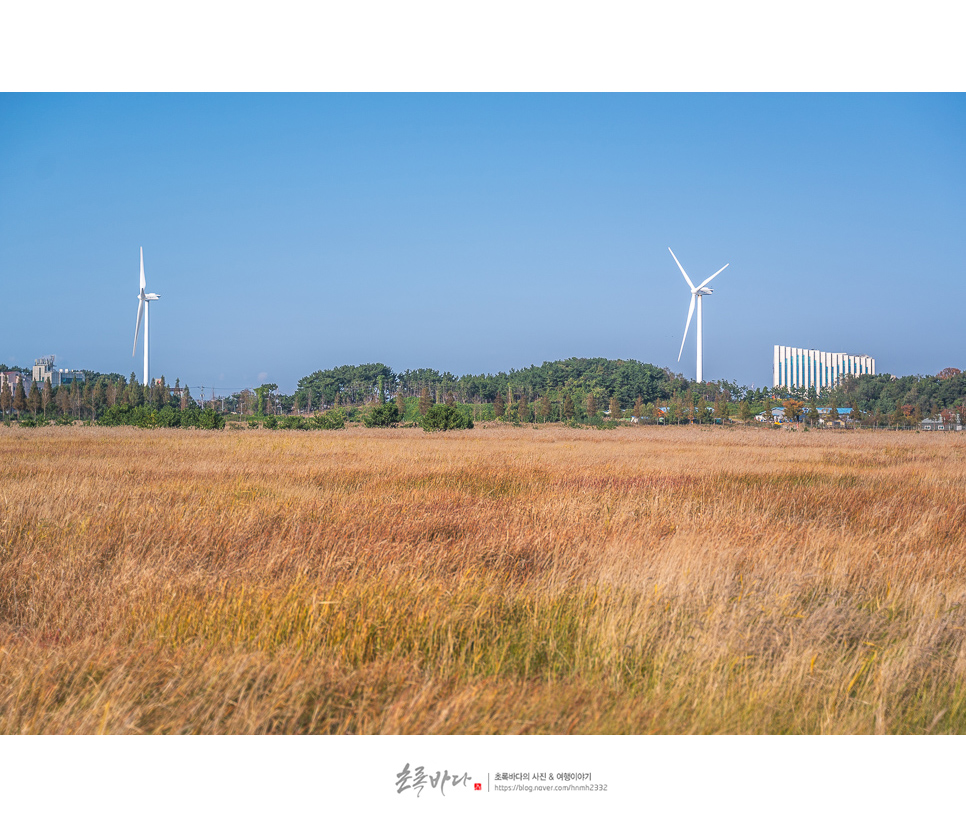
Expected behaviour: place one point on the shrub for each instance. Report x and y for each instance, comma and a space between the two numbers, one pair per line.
122, 415
334, 419
382, 416
210, 419
270, 422
445, 417
293, 421
169, 417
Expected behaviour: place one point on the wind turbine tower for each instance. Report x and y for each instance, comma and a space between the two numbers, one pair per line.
143, 300
697, 292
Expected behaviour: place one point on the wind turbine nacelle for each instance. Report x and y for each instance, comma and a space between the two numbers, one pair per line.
151, 297
702, 291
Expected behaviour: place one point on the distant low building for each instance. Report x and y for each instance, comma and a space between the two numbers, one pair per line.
946, 421
44, 371
13, 377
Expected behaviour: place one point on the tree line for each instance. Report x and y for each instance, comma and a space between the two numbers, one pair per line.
103, 398
578, 388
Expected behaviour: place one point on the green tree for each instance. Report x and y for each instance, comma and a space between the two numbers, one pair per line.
591, 406
523, 409
264, 395
744, 411
445, 417
674, 410
703, 410
400, 404
639, 407
499, 407
382, 416
134, 393
813, 415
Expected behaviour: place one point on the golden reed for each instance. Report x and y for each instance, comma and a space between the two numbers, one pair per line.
501, 580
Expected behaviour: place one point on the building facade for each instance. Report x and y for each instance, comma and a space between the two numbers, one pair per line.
44, 371
818, 369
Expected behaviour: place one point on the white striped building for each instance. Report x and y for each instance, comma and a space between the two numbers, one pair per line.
806, 368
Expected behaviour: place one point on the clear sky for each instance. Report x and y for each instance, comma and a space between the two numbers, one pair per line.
478, 232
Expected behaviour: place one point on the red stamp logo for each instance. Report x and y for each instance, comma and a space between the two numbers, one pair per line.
477, 786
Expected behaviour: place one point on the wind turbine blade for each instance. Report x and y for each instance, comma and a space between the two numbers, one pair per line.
142, 267
714, 276
690, 313
681, 268
137, 327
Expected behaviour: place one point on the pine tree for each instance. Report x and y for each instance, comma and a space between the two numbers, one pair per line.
74, 396
425, 402
523, 409
161, 393
499, 407
813, 414
19, 397
591, 407
33, 398
568, 406
134, 393
449, 399
744, 411
98, 397
638, 406
400, 403
6, 398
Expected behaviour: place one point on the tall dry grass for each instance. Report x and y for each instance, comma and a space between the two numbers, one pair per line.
668, 580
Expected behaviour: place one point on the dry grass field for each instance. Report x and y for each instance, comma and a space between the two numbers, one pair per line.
501, 580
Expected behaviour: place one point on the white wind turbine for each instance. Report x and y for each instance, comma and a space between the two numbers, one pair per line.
143, 299
696, 294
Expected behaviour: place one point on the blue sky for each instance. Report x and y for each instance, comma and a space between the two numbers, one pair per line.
478, 232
